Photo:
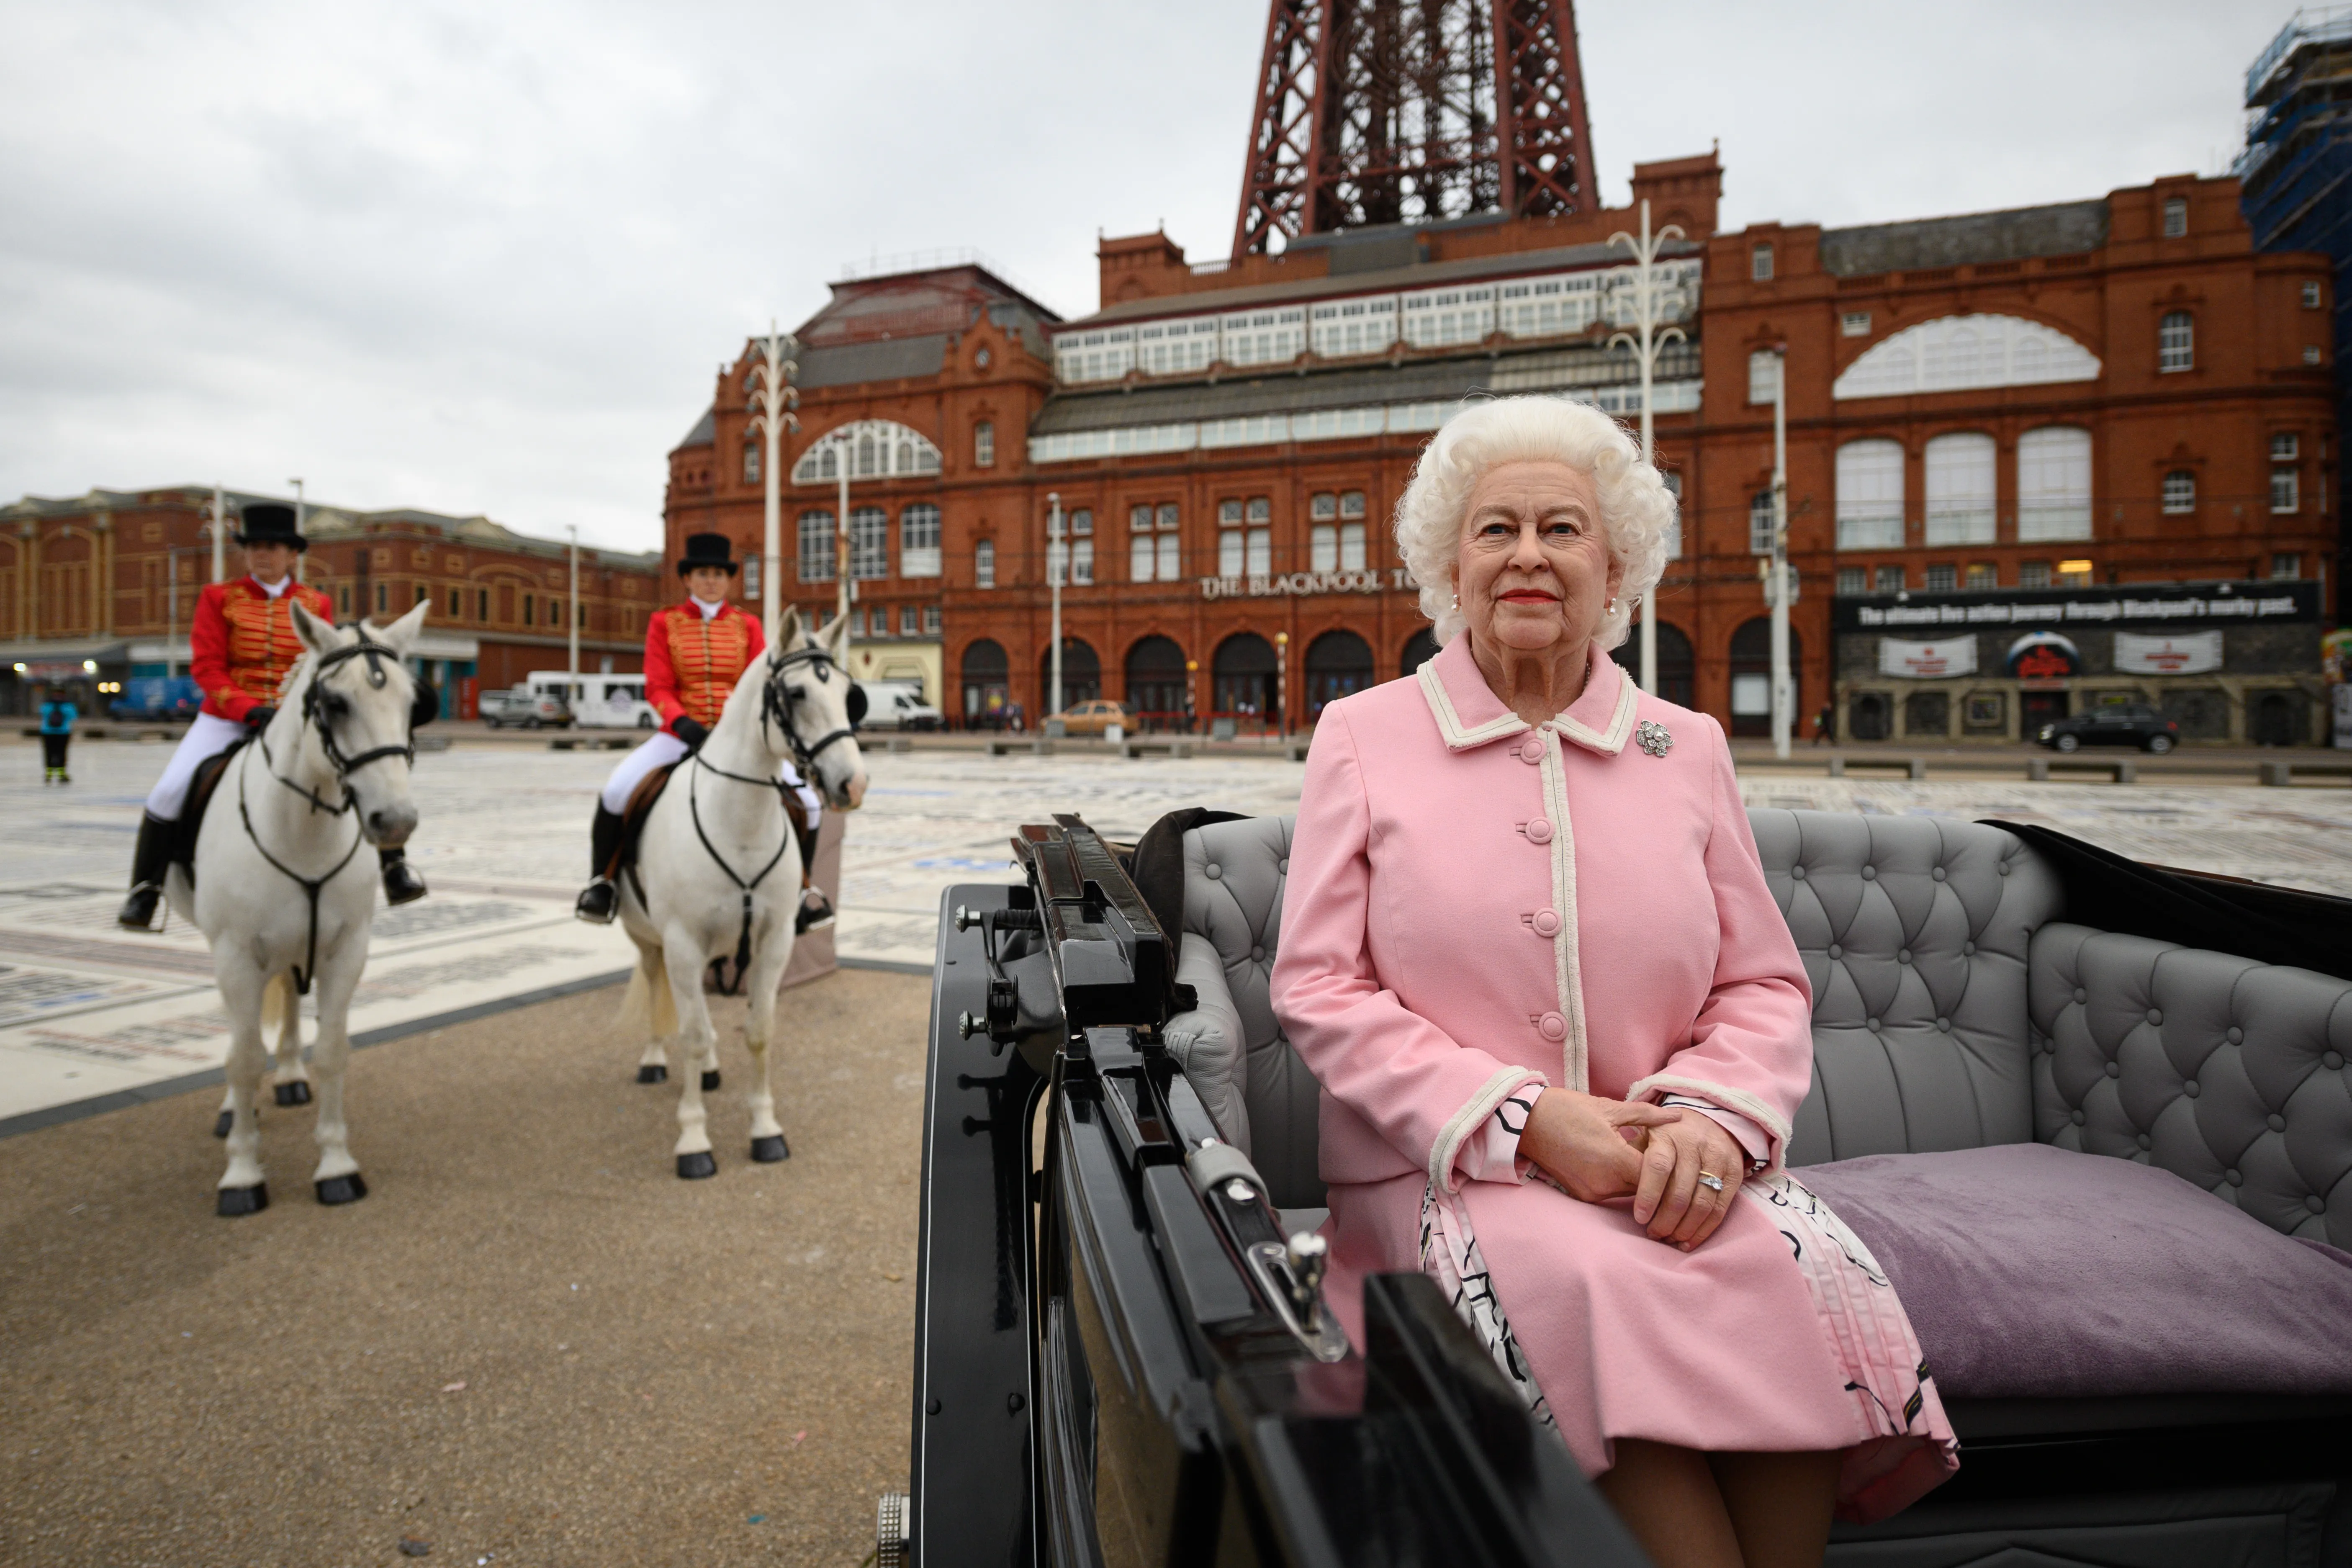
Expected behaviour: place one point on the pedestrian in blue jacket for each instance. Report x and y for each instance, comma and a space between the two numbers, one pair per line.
58, 716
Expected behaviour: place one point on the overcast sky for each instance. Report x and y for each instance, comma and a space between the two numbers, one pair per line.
485, 259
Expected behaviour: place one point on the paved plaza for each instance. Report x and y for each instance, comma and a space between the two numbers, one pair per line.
93, 1016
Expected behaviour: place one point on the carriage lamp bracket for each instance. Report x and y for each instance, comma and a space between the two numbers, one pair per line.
1002, 1011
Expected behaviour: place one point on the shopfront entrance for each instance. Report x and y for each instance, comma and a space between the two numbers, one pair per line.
2036, 709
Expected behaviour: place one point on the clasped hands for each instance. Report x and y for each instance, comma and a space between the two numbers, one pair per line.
1598, 1149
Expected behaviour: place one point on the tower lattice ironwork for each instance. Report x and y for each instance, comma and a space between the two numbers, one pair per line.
1379, 112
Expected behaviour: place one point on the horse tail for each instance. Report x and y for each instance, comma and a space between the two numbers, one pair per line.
281, 1014
648, 1009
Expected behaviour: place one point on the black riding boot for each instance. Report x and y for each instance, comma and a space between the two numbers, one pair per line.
149, 862
816, 910
600, 899
402, 884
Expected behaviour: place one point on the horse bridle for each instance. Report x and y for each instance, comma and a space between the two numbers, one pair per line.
776, 705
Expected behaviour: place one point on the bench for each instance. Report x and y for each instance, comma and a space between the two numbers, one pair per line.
2122, 770
1912, 767
2031, 1033
1006, 748
591, 744
1132, 749
2281, 775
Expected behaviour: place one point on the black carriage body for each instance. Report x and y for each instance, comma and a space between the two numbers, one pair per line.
1112, 1367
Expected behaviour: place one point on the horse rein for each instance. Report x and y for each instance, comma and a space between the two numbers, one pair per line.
315, 715
778, 708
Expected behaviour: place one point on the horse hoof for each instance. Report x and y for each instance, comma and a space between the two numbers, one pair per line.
653, 1072
236, 1201
710, 1081
295, 1093
696, 1167
768, 1151
223, 1123
336, 1190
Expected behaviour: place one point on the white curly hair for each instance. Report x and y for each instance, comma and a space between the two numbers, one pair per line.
1636, 507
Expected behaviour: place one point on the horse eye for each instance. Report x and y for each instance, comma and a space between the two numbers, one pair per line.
797, 692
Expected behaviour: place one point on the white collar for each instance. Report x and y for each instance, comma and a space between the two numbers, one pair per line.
708, 608
276, 590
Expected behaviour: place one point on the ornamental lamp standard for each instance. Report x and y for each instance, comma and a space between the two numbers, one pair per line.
1054, 561
1645, 347
1282, 685
301, 512
1776, 590
773, 399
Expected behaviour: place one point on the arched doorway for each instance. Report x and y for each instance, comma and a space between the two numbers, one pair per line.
1866, 717
1677, 669
1246, 685
1337, 663
1081, 674
987, 685
1155, 687
1419, 649
1751, 678
2275, 720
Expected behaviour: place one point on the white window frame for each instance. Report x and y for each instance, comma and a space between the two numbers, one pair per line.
1854, 324
869, 544
2179, 493
1353, 547
1962, 470
1759, 264
1323, 547
2175, 342
1763, 375
2053, 484
983, 444
2176, 218
1759, 523
1870, 481
984, 563
2287, 446
815, 547
2287, 492
918, 540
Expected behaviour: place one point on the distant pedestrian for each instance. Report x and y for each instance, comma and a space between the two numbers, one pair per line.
58, 716
1821, 722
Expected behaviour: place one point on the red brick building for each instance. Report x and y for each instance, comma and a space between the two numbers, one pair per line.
2100, 393
89, 579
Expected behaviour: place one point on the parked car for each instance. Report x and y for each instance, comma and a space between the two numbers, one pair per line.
1094, 717
599, 701
898, 705
2117, 724
525, 707
154, 697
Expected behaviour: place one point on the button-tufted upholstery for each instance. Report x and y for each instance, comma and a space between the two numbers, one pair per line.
2229, 1073
1915, 932
1260, 1094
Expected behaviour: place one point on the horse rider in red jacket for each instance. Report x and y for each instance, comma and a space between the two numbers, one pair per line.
695, 653
241, 645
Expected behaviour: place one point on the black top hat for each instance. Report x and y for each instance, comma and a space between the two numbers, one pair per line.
707, 550
267, 522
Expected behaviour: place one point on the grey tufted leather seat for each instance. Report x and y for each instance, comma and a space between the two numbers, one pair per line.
1952, 1010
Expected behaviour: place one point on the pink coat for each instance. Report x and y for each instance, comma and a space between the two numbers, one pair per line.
1473, 908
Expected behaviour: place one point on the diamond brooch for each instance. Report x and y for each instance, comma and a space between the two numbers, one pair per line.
1654, 737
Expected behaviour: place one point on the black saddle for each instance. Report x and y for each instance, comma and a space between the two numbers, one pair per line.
633, 822
201, 790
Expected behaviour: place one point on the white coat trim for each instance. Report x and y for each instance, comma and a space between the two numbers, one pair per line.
1726, 1097
1458, 1127
1568, 972
1621, 722
1449, 722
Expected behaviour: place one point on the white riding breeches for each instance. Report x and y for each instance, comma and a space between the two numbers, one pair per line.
208, 736
664, 749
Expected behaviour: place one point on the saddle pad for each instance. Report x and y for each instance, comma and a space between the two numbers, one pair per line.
2035, 1272
202, 784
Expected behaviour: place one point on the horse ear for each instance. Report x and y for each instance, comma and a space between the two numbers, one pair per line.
401, 636
836, 638
788, 630
318, 635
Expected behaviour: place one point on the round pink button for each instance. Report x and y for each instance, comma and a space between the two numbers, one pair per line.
1531, 750
1547, 922
1553, 1026
1538, 831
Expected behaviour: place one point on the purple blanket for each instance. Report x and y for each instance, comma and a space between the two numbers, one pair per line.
2031, 1271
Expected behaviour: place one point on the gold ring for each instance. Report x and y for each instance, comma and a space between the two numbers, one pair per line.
1710, 1180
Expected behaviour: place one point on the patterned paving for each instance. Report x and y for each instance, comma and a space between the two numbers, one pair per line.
87, 1011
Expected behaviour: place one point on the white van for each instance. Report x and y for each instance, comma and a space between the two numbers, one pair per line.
600, 701
896, 705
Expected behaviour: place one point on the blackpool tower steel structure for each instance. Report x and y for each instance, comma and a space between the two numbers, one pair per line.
1386, 112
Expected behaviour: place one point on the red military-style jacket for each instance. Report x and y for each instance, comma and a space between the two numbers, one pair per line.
244, 642
692, 663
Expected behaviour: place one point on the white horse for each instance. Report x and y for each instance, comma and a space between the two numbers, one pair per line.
719, 871
282, 891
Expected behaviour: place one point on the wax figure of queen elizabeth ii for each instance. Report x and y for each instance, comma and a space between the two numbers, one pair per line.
1561, 1028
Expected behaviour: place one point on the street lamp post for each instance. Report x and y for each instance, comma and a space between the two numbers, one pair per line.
1054, 585
218, 528
1646, 345
772, 402
301, 511
1282, 685
1776, 592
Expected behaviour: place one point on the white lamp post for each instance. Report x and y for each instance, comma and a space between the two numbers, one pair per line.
301, 511
218, 528
1054, 561
1777, 589
1646, 346
773, 400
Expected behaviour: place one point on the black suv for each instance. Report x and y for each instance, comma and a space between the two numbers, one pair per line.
2121, 724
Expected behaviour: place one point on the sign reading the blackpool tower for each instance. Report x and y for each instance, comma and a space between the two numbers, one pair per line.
1301, 585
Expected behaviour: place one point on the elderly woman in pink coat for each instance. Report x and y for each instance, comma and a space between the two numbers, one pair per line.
1560, 1027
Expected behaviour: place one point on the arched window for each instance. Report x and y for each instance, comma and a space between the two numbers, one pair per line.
816, 547
1419, 649
1081, 674
1337, 663
984, 564
918, 540
986, 683
2053, 484
1960, 488
1246, 679
1958, 353
1751, 677
2176, 342
875, 449
1870, 495
1156, 684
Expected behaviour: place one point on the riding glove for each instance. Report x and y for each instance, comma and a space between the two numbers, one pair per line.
687, 730
257, 719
